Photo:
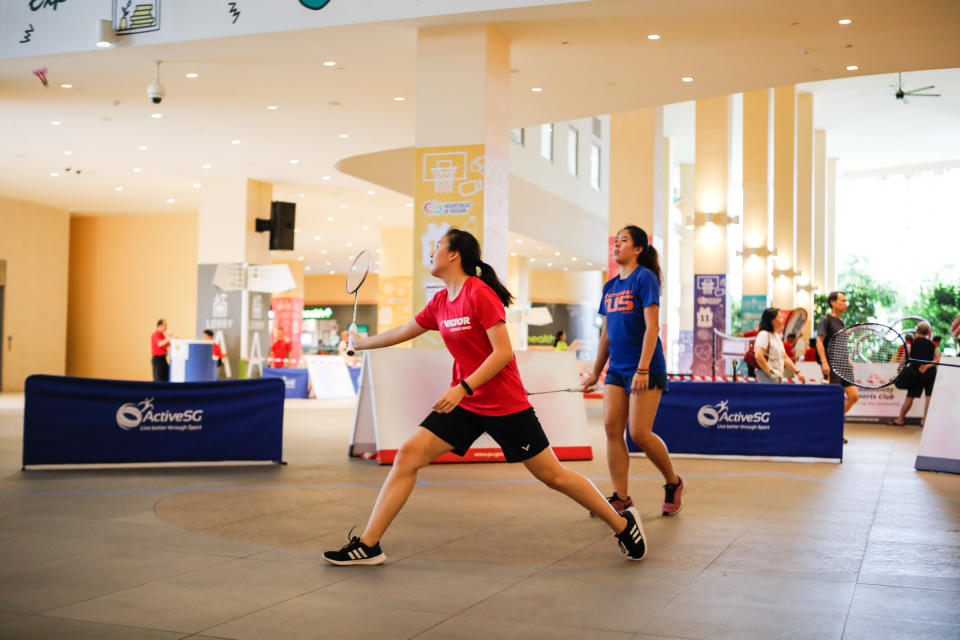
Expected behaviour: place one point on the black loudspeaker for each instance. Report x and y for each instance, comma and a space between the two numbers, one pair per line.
282, 222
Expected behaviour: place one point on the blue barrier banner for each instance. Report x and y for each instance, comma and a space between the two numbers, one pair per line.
295, 381
84, 420
730, 418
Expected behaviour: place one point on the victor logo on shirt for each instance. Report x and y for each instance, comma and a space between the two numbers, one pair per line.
619, 301
457, 324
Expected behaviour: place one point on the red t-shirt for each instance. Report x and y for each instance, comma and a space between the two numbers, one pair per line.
155, 348
280, 350
216, 351
810, 355
463, 324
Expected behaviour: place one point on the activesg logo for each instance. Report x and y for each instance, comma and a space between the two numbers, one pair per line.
719, 415
142, 416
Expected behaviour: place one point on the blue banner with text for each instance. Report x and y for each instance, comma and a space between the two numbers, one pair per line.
750, 419
70, 420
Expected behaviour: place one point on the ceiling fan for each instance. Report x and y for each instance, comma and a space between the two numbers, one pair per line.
903, 95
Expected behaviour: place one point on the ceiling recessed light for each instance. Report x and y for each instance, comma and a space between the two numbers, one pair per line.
574, 258
379, 217
66, 86
307, 268
197, 185
170, 200
564, 268
300, 258
350, 257
344, 135
299, 195
365, 228
686, 79
142, 147
235, 141
68, 153
536, 89
54, 174
399, 99
533, 259
549, 264
296, 230
378, 251
118, 188
343, 206
294, 162
371, 192
349, 244
519, 241
556, 253
513, 253
137, 169
325, 178
329, 63
207, 166
317, 238
852, 67
192, 75
56, 123
323, 252
589, 264
156, 116
329, 218
271, 107
653, 36
844, 21
332, 272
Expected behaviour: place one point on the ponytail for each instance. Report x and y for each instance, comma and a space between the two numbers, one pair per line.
648, 257
464, 243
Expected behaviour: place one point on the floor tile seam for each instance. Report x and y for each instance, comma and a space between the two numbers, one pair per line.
907, 618
746, 527
899, 586
876, 507
106, 624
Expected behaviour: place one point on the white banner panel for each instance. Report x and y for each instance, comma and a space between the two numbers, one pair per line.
940, 446
875, 405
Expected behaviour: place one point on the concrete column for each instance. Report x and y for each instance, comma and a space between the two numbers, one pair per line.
784, 192
227, 221
756, 191
804, 298
462, 138
819, 210
636, 175
687, 250
394, 286
831, 226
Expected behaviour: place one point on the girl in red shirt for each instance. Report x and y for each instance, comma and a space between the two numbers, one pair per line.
485, 395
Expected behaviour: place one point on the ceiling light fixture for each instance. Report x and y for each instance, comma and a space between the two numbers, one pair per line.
156, 116
536, 89
54, 174
66, 86
329, 218
137, 169
235, 141
118, 188
142, 147
296, 230
271, 107
170, 200
349, 244
197, 185
399, 99
371, 192
325, 178
106, 36
653, 36
300, 258
317, 238
294, 162
329, 63
344, 135
332, 272
68, 153
365, 228
307, 268
844, 21
207, 166
549, 264
379, 217
192, 75
56, 123
852, 67
686, 79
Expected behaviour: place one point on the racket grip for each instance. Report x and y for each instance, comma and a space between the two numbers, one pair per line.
351, 343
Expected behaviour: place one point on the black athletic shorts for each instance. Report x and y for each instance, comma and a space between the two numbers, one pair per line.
519, 434
924, 384
835, 379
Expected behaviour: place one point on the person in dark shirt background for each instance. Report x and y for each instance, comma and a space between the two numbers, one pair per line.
829, 326
923, 348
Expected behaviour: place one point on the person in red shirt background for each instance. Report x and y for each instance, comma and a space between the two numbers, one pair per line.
159, 343
810, 355
279, 350
218, 353
789, 344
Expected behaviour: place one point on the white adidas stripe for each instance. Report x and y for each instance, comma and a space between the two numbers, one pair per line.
635, 533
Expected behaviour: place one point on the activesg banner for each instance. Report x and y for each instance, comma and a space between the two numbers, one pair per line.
729, 418
84, 420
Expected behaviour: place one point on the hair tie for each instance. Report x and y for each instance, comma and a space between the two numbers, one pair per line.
479, 269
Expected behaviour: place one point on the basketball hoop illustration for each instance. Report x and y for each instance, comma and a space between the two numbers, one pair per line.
443, 176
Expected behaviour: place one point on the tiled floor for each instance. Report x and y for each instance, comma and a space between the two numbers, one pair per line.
866, 549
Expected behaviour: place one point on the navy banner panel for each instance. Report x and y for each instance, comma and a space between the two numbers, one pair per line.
84, 420
296, 381
729, 418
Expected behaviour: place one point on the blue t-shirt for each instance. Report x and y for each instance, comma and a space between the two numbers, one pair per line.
623, 304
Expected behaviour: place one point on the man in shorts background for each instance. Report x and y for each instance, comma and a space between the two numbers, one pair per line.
831, 324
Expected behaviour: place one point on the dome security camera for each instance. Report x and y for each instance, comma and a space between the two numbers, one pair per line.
155, 90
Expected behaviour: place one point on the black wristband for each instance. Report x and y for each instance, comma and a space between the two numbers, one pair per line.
463, 383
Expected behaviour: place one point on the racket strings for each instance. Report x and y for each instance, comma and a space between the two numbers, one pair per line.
867, 344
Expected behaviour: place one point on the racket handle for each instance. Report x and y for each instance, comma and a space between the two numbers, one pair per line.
351, 343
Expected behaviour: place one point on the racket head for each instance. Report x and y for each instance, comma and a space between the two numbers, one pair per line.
867, 343
358, 271
795, 322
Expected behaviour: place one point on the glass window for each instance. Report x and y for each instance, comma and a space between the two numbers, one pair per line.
595, 166
573, 147
516, 135
546, 141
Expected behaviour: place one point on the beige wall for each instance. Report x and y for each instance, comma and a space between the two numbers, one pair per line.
332, 290
567, 287
125, 273
34, 242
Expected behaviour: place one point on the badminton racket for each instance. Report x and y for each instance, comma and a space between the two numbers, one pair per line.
567, 390
871, 343
355, 277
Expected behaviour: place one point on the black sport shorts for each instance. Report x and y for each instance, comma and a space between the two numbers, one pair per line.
519, 434
924, 384
835, 379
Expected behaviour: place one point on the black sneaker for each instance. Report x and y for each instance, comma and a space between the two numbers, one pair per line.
633, 541
355, 552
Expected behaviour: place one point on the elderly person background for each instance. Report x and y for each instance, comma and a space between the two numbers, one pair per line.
923, 348
768, 349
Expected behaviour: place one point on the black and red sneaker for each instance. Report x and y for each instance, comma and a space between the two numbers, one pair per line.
619, 504
355, 552
673, 498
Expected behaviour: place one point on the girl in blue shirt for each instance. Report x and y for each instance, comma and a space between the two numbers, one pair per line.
637, 373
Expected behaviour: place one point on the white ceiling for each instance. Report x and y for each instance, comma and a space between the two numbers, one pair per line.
606, 65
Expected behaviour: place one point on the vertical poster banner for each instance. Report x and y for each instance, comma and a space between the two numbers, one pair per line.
449, 193
220, 312
685, 352
709, 313
393, 302
288, 315
256, 335
751, 311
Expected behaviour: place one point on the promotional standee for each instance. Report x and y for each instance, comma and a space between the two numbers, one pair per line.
770, 420
70, 420
709, 309
940, 443
192, 361
398, 387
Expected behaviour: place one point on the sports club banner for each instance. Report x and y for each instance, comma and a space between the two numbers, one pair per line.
709, 313
449, 193
85, 421
874, 405
724, 418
